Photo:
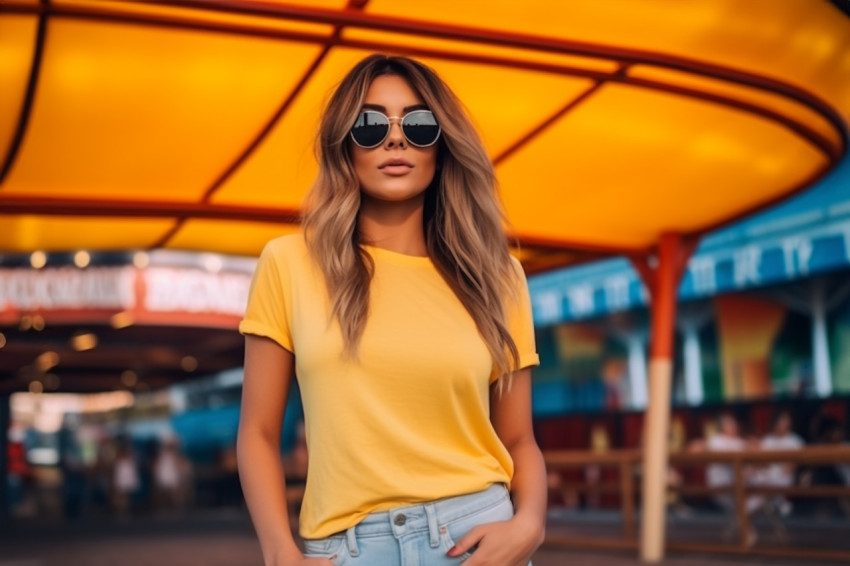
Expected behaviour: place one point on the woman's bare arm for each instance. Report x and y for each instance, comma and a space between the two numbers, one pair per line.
511, 416
513, 543
268, 374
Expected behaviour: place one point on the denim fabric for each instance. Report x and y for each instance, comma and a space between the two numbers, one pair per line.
414, 535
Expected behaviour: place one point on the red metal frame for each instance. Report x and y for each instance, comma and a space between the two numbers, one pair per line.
354, 17
511, 39
544, 125
49, 206
672, 259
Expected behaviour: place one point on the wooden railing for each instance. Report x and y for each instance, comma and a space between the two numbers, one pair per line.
627, 487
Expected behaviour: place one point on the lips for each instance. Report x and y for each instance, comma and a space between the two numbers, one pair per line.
395, 162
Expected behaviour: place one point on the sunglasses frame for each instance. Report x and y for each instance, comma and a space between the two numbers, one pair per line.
400, 120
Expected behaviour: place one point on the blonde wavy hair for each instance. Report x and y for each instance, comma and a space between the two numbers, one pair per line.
463, 219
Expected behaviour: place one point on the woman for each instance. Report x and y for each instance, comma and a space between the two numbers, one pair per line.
409, 328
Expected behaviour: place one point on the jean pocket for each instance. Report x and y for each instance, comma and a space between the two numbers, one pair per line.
448, 543
453, 531
333, 548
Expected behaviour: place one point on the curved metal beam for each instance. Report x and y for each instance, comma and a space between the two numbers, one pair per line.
516, 40
29, 96
368, 21
48, 206
453, 32
543, 126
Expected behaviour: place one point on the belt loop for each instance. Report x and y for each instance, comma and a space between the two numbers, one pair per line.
353, 550
432, 525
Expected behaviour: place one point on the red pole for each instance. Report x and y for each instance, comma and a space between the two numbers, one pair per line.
667, 276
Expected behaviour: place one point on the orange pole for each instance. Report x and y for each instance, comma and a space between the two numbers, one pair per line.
663, 282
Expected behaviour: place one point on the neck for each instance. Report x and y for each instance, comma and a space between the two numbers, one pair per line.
394, 226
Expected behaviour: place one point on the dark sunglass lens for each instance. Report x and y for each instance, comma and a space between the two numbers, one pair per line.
370, 129
420, 128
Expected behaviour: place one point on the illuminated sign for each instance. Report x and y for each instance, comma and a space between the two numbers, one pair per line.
184, 290
67, 288
155, 294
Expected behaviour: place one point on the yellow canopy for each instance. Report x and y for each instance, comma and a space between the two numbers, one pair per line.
190, 124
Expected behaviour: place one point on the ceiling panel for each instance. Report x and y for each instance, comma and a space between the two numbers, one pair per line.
159, 114
684, 164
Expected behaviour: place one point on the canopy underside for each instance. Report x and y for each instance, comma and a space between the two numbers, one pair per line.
191, 124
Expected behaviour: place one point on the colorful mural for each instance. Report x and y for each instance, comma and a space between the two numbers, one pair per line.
747, 326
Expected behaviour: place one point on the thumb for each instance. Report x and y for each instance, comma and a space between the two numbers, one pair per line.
471, 539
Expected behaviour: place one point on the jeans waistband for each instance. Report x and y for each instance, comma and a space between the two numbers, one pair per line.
427, 516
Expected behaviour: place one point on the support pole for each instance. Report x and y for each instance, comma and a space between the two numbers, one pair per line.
637, 369
693, 366
691, 318
820, 343
663, 282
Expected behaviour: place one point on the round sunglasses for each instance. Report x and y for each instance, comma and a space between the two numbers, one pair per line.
371, 128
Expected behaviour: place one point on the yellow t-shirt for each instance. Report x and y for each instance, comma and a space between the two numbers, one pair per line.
406, 422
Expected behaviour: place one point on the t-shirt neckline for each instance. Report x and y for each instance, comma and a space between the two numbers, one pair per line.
397, 257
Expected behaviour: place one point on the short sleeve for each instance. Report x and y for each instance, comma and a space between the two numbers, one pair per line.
520, 320
269, 299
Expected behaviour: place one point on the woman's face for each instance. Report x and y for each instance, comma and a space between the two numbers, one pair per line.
395, 170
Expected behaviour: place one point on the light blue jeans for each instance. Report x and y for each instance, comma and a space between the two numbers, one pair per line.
414, 535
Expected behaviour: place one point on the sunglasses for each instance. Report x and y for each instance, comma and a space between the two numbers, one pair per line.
420, 128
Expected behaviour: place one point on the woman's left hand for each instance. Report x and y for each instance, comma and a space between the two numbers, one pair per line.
504, 543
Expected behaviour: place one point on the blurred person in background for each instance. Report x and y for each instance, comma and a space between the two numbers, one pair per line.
74, 476
103, 471
780, 474
171, 475
125, 477
599, 443
18, 472
727, 438
409, 327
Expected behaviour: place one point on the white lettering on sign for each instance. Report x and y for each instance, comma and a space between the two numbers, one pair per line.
703, 274
747, 265
617, 292
183, 290
67, 288
547, 306
797, 252
581, 299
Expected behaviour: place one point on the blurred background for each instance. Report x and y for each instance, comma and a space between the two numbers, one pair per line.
149, 149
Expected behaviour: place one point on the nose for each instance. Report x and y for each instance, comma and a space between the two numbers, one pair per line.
395, 138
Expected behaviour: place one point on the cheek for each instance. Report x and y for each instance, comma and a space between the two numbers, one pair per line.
429, 165
363, 166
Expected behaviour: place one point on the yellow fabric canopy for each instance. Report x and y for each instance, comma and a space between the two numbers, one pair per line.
190, 124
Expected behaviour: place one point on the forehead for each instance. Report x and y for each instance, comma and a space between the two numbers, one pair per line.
392, 92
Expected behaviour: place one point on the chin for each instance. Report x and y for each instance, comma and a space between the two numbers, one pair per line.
396, 193
392, 196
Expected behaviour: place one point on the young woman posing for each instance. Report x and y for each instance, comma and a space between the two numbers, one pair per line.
409, 328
